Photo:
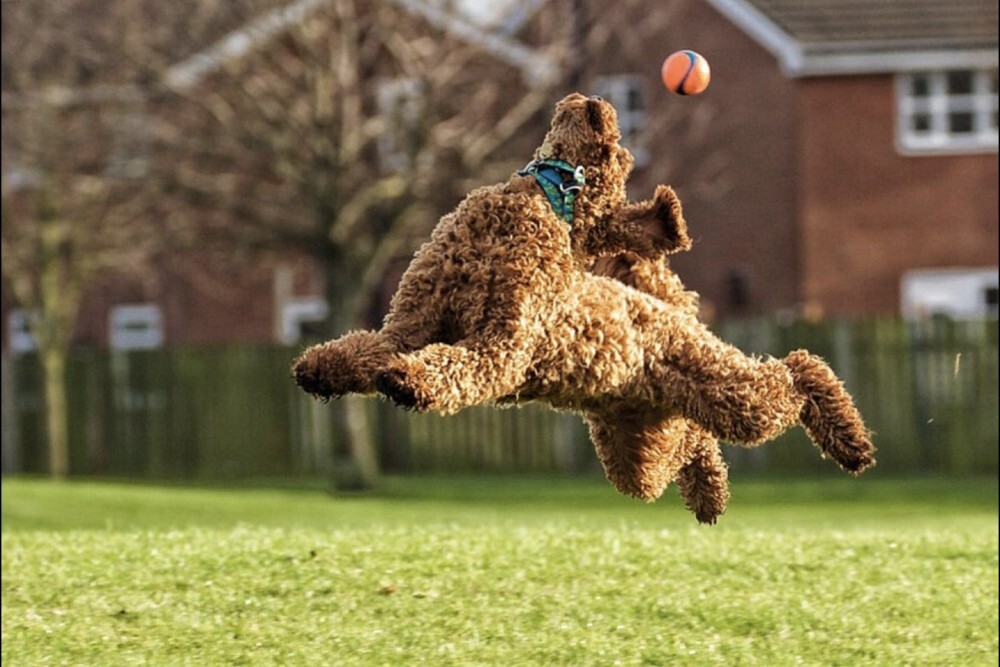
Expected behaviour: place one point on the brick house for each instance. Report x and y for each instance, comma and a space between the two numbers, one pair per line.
843, 162
857, 150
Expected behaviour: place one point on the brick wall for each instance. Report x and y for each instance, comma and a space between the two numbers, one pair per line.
729, 154
869, 213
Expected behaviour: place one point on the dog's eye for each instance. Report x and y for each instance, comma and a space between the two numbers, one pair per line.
597, 98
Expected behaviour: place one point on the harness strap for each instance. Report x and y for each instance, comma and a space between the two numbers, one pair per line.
560, 182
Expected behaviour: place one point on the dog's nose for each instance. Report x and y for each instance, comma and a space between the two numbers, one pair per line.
595, 114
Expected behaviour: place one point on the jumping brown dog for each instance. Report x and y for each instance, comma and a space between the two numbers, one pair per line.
500, 306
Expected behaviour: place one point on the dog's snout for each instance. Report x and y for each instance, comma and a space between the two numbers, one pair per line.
595, 117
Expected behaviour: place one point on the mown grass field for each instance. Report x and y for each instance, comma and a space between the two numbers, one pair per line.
500, 571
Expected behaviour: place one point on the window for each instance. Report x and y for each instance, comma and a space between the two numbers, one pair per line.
129, 151
17, 178
135, 327
303, 318
956, 293
625, 93
399, 102
953, 110
19, 332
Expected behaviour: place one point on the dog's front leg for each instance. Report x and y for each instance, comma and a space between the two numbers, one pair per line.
447, 378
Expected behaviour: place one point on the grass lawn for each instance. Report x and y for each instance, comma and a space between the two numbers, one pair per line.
500, 571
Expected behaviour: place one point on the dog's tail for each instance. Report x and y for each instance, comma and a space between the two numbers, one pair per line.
829, 415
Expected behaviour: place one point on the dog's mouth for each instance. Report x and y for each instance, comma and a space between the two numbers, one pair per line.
625, 158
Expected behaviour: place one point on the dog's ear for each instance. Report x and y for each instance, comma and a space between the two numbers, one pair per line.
663, 220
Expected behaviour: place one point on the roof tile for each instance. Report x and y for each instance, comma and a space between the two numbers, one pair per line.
885, 23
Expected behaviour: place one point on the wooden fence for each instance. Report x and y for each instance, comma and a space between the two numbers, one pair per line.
927, 389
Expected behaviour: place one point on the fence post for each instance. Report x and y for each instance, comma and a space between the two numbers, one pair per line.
10, 449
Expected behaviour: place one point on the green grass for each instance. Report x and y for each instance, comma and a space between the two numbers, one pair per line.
500, 571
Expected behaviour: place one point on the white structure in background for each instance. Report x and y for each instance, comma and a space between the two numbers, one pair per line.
19, 334
957, 293
135, 327
296, 317
298, 313
627, 93
488, 25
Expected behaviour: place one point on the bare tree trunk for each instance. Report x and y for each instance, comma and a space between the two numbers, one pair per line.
355, 461
56, 409
10, 445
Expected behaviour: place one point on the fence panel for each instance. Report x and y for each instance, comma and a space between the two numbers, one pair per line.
929, 391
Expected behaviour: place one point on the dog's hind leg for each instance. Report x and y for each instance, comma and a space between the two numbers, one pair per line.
829, 415
641, 454
749, 400
704, 481
740, 399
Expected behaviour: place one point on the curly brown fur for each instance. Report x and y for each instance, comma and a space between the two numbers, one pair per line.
498, 306
702, 475
641, 453
659, 223
344, 366
829, 415
704, 481
627, 230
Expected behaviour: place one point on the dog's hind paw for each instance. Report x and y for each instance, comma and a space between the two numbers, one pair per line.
829, 415
854, 454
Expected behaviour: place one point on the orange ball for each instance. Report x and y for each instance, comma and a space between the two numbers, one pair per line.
686, 73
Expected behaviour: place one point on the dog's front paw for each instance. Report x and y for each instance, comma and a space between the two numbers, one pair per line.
403, 387
324, 371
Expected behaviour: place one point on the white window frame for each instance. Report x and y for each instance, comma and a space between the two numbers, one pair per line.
135, 326
621, 90
959, 293
938, 104
21, 178
299, 311
399, 105
19, 336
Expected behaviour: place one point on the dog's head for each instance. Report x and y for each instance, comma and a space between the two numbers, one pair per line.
584, 132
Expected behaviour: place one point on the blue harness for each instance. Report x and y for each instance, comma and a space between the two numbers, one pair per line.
560, 182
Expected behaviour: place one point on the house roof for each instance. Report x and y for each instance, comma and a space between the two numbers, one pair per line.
826, 37
462, 20
221, 42
490, 31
